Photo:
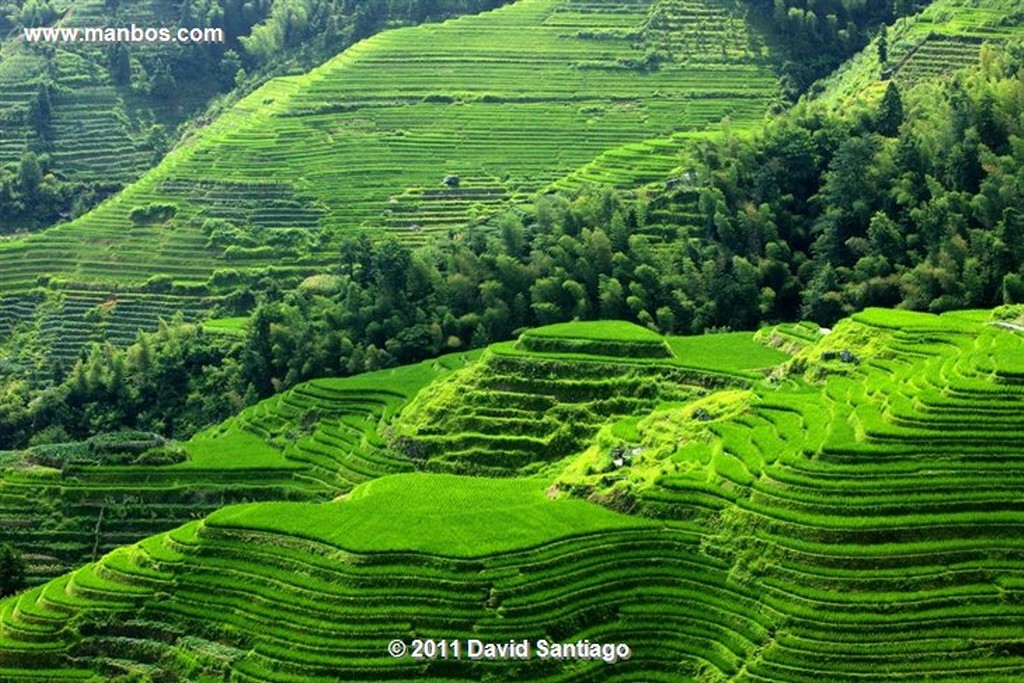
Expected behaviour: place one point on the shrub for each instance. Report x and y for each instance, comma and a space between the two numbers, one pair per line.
166, 454
12, 570
158, 284
154, 213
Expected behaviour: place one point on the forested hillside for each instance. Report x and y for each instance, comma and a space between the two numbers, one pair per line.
386, 323
904, 195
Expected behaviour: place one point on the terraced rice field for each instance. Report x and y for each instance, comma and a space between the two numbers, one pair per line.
947, 36
509, 101
532, 401
314, 442
45, 332
322, 611
854, 518
97, 132
880, 510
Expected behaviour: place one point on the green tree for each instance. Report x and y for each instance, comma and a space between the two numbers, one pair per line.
1011, 230
162, 85
890, 112
41, 110
119, 63
822, 301
1013, 289
883, 48
12, 570
885, 237
30, 174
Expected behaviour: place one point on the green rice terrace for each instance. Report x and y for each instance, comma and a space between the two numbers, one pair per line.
946, 36
51, 330
69, 503
795, 505
95, 130
417, 131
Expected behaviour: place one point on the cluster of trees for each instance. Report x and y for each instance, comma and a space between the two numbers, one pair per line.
385, 304
32, 196
318, 25
16, 14
816, 36
12, 570
173, 381
588, 258
915, 202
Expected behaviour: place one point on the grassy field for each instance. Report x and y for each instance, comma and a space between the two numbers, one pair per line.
316, 613
439, 514
232, 327
603, 330
600, 338
731, 352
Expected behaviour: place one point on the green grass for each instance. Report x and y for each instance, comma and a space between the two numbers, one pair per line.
316, 613
602, 338
603, 330
340, 150
232, 327
233, 448
53, 327
439, 514
733, 352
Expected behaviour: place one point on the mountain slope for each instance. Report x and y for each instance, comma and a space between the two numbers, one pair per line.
854, 517
327, 606
96, 114
946, 36
313, 442
508, 101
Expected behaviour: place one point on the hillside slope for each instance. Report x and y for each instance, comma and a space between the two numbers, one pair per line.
94, 129
855, 517
65, 504
484, 419
946, 36
97, 114
366, 140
